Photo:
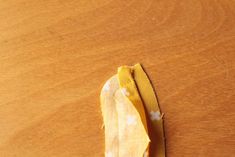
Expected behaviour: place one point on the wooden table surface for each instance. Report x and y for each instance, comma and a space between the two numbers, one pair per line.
55, 56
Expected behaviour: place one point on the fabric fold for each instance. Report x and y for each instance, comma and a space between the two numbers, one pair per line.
127, 101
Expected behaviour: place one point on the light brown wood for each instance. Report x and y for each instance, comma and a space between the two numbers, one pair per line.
55, 56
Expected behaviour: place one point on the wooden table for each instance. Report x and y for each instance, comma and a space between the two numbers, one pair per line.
55, 56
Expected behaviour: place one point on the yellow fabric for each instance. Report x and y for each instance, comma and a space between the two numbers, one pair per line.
126, 81
151, 104
110, 117
133, 138
121, 139
125, 98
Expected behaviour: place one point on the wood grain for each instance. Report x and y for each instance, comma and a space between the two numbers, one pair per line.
55, 56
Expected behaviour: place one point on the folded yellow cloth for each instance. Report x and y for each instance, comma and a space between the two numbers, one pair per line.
127, 102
